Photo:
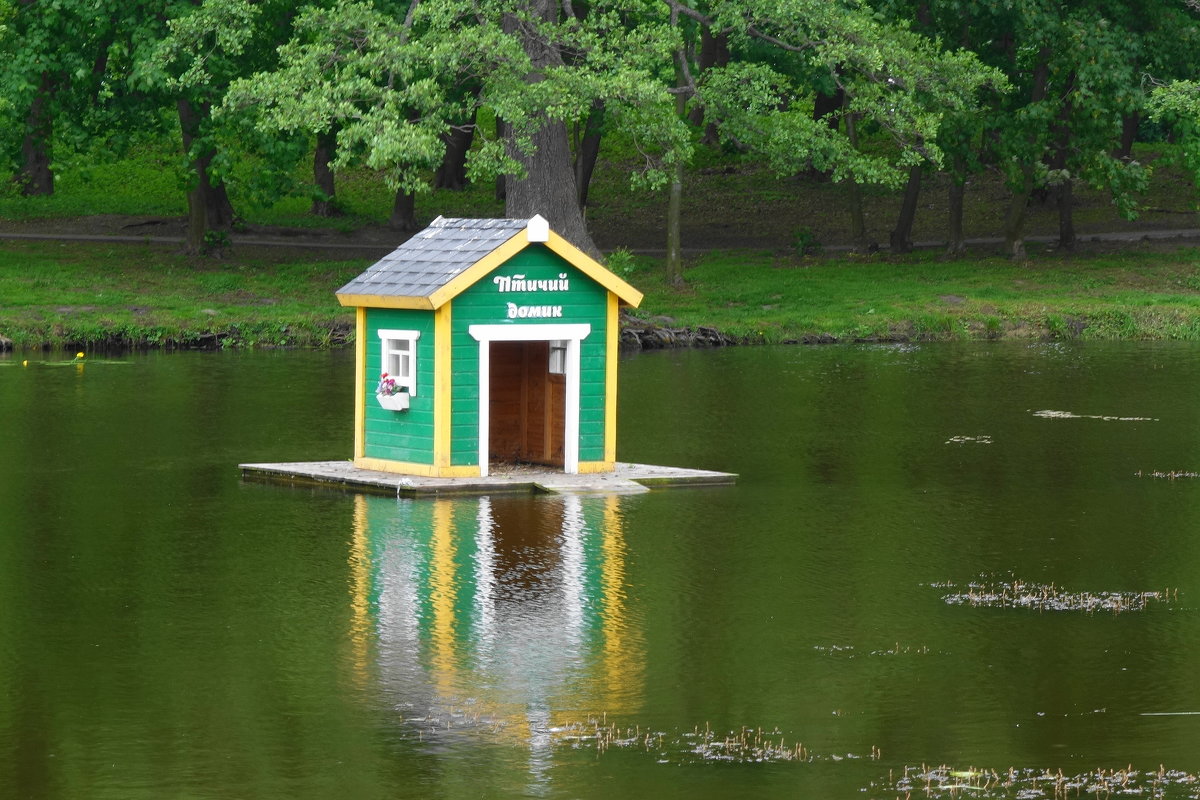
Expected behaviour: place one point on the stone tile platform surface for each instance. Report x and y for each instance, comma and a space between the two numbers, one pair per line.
516, 479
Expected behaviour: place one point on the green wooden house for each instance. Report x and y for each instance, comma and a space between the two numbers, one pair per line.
483, 341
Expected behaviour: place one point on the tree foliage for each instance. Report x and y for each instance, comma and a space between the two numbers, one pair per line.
893, 79
861, 91
392, 85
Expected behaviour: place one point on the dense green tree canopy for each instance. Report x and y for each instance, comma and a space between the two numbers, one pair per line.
1047, 92
900, 82
391, 84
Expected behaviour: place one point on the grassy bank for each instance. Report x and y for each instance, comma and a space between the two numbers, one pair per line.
766, 298
56, 294
112, 295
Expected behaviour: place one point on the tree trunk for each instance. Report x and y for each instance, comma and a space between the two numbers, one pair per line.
1066, 219
673, 268
209, 208
501, 180
548, 187
924, 15
707, 56
674, 265
1063, 190
825, 107
587, 151
1014, 222
404, 212
858, 221
325, 204
901, 237
957, 244
1129, 131
452, 174
714, 52
34, 176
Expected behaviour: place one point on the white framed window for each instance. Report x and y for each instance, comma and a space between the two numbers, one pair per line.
558, 357
398, 351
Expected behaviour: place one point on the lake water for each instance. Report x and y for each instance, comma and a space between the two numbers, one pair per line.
826, 627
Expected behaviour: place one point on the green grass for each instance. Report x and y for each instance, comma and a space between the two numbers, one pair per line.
761, 297
77, 294
89, 295
103, 295
149, 184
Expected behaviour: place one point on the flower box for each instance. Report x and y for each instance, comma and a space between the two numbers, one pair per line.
393, 402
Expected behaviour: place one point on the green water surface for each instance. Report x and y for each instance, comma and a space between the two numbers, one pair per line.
168, 630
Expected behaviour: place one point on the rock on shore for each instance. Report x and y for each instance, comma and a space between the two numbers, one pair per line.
659, 333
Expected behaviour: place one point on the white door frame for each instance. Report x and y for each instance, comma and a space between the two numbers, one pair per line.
573, 334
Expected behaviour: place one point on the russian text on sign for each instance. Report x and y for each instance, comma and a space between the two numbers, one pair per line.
533, 312
519, 283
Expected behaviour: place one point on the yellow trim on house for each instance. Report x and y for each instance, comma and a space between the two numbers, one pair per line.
360, 380
589, 467
399, 467
413, 468
611, 344
443, 385
594, 270
385, 301
469, 276
466, 471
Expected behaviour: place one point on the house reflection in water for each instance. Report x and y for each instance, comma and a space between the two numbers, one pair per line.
499, 614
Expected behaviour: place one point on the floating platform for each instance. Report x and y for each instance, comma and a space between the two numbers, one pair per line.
517, 479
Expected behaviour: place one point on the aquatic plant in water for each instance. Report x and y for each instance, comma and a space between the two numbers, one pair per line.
1107, 418
1169, 475
848, 651
1013, 593
1022, 783
744, 746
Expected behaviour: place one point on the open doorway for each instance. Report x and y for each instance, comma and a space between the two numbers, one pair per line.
527, 413
562, 346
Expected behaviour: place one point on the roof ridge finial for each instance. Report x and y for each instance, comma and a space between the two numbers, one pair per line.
538, 229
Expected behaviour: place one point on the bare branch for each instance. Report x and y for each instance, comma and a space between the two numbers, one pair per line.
679, 8
792, 48
681, 62
408, 21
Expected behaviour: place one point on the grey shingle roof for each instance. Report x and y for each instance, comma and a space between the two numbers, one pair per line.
433, 257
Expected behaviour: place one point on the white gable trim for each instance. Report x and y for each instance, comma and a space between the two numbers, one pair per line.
538, 229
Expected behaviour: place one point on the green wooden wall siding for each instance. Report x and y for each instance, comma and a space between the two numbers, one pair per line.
482, 304
400, 435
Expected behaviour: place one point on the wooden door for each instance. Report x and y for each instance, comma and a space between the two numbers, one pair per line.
528, 405
506, 437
